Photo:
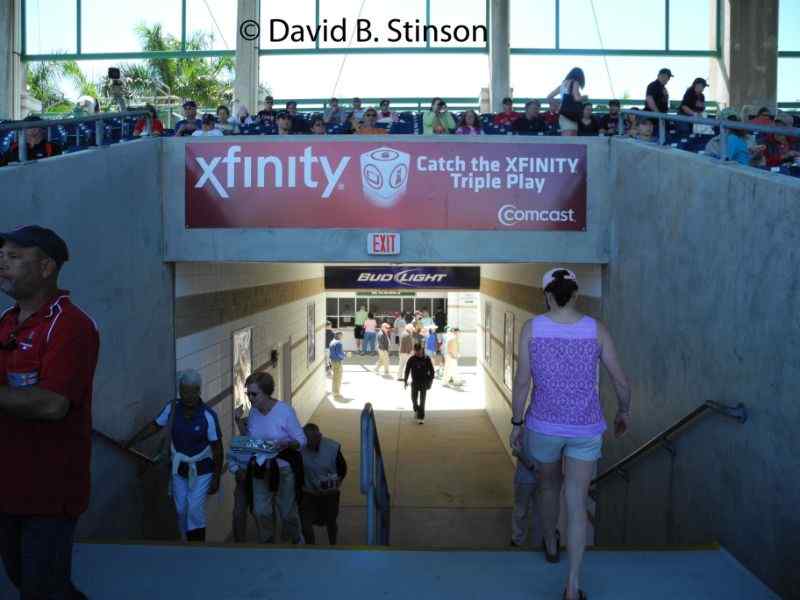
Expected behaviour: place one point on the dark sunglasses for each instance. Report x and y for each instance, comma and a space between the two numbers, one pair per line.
10, 344
251, 394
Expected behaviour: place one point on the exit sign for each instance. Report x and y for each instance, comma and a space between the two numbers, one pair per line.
383, 243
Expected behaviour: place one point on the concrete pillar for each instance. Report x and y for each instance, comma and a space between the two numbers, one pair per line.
747, 72
499, 52
245, 86
11, 83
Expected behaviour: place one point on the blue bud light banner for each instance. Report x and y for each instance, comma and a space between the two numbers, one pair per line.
357, 278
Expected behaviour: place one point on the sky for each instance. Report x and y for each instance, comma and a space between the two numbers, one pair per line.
620, 24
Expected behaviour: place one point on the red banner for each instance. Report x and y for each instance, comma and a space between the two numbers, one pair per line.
377, 184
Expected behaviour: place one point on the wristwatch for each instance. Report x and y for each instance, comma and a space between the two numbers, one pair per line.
516, 423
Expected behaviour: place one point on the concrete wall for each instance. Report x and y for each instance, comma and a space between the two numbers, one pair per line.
213, 300
516, 289
104, 203
423, 246
702, 298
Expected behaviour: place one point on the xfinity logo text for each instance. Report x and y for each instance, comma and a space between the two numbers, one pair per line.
509, 215
409, 277
239, 171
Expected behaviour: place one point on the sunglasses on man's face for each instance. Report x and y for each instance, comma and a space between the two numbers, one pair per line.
251, 394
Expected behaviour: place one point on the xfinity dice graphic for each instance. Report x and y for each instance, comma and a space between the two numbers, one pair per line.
384, 175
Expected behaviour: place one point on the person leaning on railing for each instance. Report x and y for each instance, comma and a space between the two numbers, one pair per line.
36, 140
195, 441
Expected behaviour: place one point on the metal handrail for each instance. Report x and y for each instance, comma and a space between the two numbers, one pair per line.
738, 412
723, 124
373, 481
98, 119
140, 455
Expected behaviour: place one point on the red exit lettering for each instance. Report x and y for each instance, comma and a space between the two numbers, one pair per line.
384, 243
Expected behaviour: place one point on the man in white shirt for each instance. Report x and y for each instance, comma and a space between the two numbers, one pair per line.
451, 354
208, 127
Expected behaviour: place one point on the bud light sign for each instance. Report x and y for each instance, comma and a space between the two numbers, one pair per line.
365, 184
355, 278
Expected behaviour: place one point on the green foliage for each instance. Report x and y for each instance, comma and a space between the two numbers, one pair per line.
208, 81
45, 79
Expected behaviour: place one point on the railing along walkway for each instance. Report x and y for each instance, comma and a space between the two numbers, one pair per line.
373, 481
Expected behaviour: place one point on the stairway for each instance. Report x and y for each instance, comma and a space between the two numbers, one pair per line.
218, 572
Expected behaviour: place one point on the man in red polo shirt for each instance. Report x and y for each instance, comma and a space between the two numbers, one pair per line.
48, 355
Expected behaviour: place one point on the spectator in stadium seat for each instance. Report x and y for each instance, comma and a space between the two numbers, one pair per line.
588, 125
385, 115
367, 126
764, 117
738, 149
551, 116
334, 115
657, 96
208, 127
299, 124
156, 126
508, 116
532, 121
631, 126
356, 111
318, 126
469, 124
267, 114
284, 123
571, 101
242, 118
38, 146
780, 149
693, 104
224, 122
610, 123
190, 123
438, 120
645, 130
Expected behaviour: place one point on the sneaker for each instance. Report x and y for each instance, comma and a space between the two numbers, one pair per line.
420, 421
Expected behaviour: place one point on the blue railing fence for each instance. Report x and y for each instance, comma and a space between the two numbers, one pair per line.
373, 481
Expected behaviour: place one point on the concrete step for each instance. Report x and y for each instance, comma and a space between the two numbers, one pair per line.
231, 572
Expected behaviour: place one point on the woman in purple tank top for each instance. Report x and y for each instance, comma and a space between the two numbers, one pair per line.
562, 430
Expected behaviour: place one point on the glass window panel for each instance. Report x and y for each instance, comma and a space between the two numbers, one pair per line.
347, 307
788, 81
692, 25
274, 34
789, 26
51, 26
408, 305
389, 75
423, 304
621, 25
384, 308
213, 19
332, 306
470, 13
377, 14
112, 26
533, 23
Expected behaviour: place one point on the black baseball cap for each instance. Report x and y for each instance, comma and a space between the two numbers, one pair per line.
700, 80
47, 240
666, 72
507, 100
190, 104
209, 118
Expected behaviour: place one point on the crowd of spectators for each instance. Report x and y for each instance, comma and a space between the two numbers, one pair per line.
569, 113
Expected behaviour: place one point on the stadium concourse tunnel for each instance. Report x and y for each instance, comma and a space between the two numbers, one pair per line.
690, 263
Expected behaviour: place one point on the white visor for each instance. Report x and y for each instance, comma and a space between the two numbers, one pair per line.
548, 278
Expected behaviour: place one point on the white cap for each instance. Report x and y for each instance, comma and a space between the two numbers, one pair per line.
548, 278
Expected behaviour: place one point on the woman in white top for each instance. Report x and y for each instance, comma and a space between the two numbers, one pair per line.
242, 118
275, 421
572, 101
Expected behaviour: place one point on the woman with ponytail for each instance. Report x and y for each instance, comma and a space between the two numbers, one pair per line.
562, 432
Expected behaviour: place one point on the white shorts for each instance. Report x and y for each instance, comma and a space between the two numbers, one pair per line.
566, 124
550, 448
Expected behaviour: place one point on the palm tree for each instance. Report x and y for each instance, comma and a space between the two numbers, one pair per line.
44, 83
205, 80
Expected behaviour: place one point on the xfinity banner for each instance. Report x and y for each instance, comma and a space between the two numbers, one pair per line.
368, 184
350, 278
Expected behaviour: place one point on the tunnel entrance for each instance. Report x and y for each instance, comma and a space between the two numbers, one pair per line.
450, 478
